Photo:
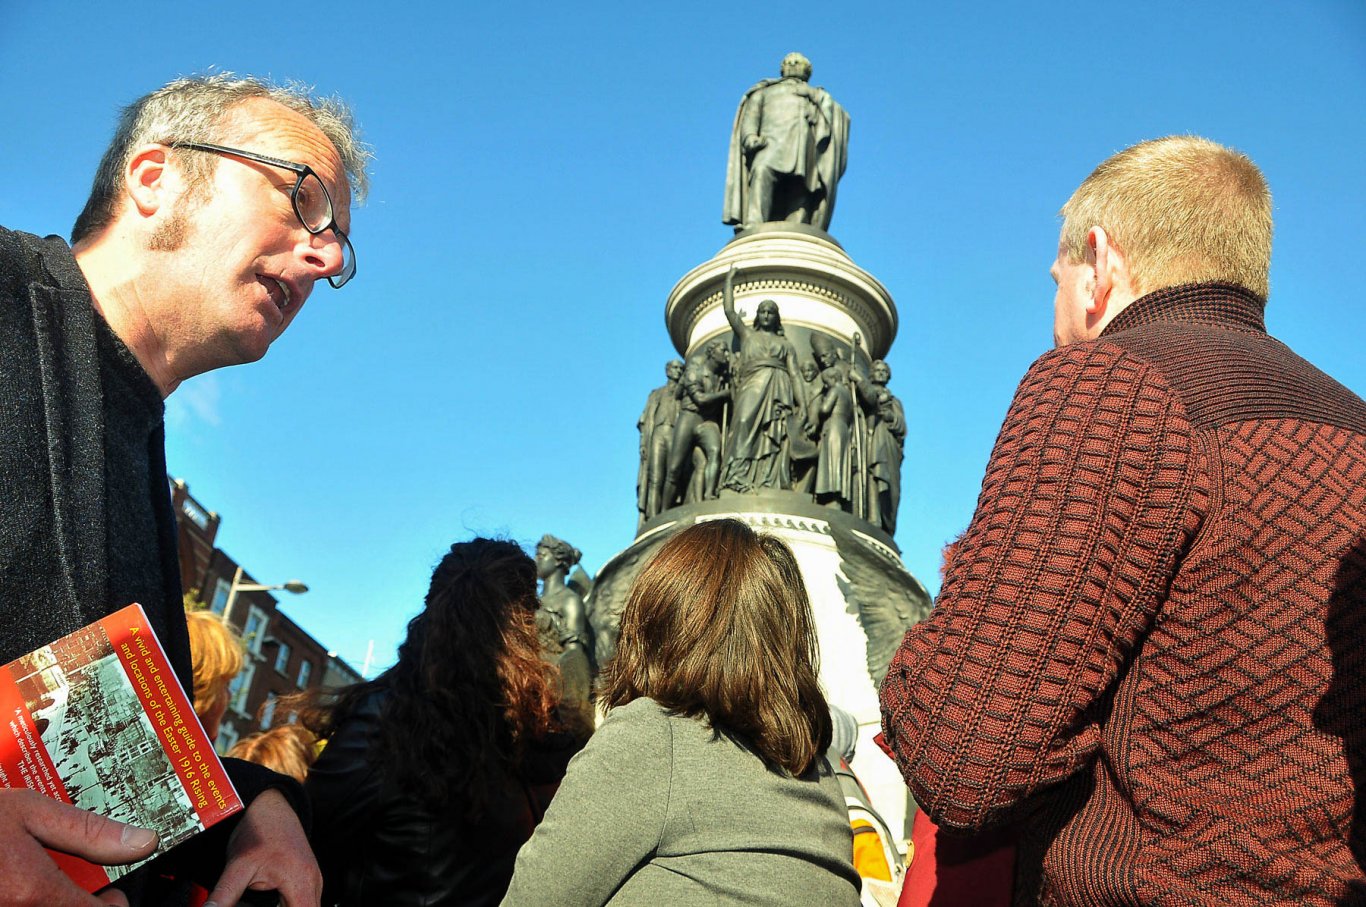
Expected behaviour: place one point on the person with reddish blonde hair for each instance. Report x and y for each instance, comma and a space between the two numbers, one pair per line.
287, 748
706, 783
216, 658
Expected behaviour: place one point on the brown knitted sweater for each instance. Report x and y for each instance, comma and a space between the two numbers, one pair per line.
1150, 647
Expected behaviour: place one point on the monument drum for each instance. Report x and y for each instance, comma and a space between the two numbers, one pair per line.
788, 150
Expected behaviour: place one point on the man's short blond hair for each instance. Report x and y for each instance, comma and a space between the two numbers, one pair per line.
216, 653
1182, 209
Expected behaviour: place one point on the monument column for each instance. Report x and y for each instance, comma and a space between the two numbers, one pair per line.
823, 472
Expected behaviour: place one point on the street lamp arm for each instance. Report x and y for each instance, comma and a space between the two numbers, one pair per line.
238, 586
292, 586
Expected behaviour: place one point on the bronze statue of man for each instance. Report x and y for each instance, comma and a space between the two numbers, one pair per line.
656, 427
788, 150
886, 435
702, 395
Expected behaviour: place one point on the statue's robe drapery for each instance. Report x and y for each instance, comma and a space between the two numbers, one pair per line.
834, 467
821, 156
756, 446
886, 435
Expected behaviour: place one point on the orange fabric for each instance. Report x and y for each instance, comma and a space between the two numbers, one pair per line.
869, 858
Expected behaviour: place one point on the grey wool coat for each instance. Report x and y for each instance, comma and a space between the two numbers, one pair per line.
658, 809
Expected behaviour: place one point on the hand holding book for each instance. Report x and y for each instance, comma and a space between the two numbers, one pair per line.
97, 723
30, 822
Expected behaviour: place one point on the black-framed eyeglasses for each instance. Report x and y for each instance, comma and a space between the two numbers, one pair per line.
311, 201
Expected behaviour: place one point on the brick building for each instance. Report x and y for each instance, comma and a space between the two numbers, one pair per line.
282, 658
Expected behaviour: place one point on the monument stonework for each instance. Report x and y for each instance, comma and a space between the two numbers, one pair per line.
784, 417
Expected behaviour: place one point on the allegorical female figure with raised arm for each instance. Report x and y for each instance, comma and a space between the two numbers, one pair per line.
765, 394
568, 623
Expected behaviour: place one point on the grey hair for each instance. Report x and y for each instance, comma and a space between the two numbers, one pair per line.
192, 109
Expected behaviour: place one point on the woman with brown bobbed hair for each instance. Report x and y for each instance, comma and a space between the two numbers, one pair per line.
705, 783
436, 772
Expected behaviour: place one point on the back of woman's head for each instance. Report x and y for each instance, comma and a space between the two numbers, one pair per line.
481, 591
718, 625
470, 688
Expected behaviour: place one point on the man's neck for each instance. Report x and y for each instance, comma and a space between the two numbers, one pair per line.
115, 290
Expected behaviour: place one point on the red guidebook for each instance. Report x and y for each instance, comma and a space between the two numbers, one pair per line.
99, 719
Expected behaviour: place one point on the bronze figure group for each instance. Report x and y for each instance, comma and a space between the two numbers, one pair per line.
761, 418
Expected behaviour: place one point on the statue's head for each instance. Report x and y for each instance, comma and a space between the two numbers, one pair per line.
794, 64
766, 317
825, 351
553, 554
718, 354
880, 373
809, 370
673, 369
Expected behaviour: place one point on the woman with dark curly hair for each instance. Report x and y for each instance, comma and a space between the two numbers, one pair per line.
436, 772
706, 782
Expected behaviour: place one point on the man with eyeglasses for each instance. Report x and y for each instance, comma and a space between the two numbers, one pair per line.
218, 206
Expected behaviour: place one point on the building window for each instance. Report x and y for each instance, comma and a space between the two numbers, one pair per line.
254, 631
227, 739
282, 657
221, 590
305, 672
268, 711
239, 688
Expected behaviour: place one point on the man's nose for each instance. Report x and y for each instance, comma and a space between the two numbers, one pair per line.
323, 254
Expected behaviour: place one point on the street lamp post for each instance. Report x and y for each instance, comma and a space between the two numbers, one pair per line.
238, 586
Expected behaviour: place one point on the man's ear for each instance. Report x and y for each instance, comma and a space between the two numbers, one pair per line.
149, 180
1101, 252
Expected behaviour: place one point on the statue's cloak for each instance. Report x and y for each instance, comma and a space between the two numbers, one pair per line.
832, 150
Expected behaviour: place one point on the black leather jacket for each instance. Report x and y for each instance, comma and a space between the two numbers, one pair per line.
379, 845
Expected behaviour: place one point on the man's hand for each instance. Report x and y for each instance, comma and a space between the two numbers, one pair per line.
268, 851
29, 822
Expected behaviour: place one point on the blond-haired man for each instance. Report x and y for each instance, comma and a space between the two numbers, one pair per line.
218, 206
1146, 651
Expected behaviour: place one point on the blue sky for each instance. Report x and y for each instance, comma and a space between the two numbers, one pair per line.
545, 173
